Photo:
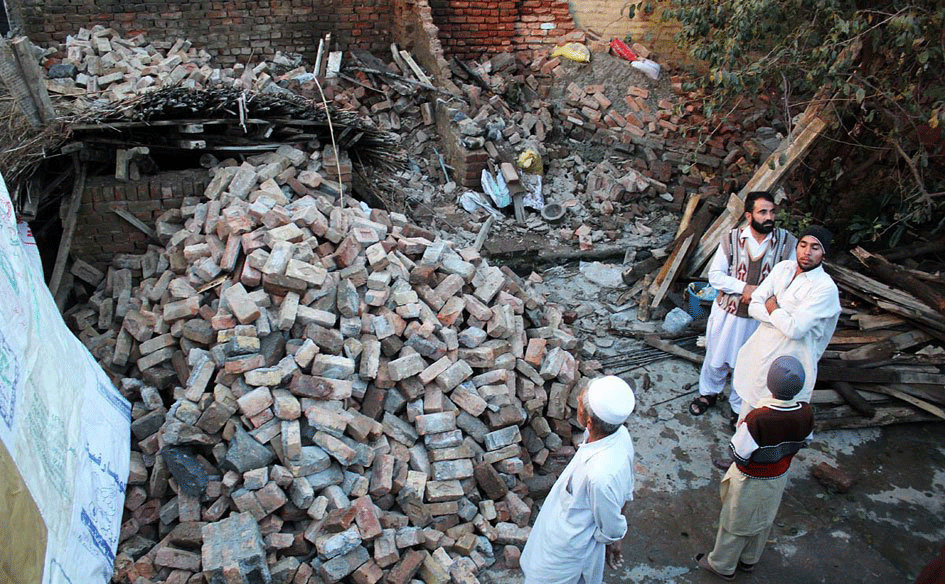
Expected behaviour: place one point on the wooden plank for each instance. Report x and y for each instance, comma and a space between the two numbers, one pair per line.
856, 401
845, 417
34, 79
778, 165
921, 404
886, 297
870, 322
12, 76
68, 226
398, 60
691, 205
415, 68
137, 224
896, 276
724, 223
858, 337
882, 375
666, 275
319, 57
668, 347
886, 348
334, 64
832, 397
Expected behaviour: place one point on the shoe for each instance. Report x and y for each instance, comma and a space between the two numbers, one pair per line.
745, 567
721, 463
732, 421
703, 561
702, 403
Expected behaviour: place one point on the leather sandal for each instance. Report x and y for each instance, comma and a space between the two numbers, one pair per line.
745, 567
703, 561
701, 404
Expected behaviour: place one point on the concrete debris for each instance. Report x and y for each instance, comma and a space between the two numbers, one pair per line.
343, 391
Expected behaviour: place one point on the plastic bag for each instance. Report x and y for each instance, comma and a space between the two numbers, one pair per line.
574, 51
650, 68
496, 188
530, 161
621, 49
472, 201
676, 320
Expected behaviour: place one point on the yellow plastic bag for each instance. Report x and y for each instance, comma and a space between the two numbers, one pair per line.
530, 161
574, 51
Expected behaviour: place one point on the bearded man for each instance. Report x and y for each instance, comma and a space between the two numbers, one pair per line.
743, 259
798, 306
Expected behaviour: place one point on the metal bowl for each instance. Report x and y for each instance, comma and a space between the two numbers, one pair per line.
552, 212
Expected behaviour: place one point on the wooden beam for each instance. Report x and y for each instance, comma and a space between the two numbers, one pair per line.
29, 66
667, 275
138, 224
886, 348
852, 397
845, 417
778, 165
12, 76
415, 68
691, 205
886, 297
900, 278
882, 375
668, 347
919, 403
68, 226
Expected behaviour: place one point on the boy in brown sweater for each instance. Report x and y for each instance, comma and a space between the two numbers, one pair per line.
763, 446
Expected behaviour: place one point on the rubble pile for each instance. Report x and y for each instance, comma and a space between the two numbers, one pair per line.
651, 147
324, 393
99, 63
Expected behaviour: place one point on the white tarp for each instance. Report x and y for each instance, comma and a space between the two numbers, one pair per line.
62, 421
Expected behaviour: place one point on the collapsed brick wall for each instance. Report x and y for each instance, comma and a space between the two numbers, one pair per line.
232, 31
100, 233
472, 28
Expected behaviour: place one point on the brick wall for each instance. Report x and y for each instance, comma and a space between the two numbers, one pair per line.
471, 28
604, 18
231, 30
100, 233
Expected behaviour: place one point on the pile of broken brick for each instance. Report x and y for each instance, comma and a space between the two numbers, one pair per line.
325, 393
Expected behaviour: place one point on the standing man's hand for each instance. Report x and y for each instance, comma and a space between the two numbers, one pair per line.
771, 304
746, 293
614, 554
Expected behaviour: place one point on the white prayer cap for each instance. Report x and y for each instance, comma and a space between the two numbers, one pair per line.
611, 399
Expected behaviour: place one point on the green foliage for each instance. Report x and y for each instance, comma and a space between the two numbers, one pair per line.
890, 98
795, 223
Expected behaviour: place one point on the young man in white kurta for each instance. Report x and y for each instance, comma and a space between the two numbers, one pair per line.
583, 514
799, 322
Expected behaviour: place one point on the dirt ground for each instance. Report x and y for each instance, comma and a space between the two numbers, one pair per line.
885, 529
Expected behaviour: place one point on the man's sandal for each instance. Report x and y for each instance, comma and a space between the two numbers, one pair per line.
703, 561
702, 403
745, 567
732, 421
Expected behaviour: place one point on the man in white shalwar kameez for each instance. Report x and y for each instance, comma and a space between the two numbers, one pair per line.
583, 514
745, 256
798, 306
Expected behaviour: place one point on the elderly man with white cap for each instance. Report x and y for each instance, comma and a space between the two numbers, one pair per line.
583, 514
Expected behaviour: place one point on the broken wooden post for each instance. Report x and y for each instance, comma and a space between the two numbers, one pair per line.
68, 226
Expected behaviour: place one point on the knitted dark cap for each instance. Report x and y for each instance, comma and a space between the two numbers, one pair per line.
785, 377
821, 234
